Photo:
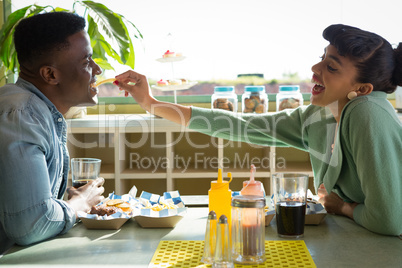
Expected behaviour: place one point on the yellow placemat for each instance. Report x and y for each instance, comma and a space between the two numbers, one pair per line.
188, 253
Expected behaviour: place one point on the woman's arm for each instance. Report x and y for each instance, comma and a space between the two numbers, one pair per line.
334, 204
376, 153
137, 85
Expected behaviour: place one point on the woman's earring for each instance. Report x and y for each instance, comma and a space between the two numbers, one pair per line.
352, 95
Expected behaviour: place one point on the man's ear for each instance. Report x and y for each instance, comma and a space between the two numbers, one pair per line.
365, 89
49, 74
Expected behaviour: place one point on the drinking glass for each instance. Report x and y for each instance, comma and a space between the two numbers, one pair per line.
290, 195
84, 170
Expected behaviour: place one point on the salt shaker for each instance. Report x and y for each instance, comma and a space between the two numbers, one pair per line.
210, 239
248, 229
223, 254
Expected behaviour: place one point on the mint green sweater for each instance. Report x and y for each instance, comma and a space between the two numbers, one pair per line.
364, 166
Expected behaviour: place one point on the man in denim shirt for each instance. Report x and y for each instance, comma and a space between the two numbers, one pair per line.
56, 73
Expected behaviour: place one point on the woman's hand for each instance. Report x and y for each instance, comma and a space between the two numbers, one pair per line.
137, 85
142, 94
334, 204
84, 197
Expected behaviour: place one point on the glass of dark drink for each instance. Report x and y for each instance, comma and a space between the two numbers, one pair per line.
84, 170
290, 195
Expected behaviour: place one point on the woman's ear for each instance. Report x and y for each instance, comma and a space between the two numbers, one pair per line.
49, 75
365, 89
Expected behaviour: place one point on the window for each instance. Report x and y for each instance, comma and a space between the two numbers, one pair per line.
279, 40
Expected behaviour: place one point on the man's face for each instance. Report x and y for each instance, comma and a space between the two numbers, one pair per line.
77, 71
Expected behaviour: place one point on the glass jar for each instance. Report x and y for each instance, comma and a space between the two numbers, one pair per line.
224, 98
289, 97
248, 229
254, 100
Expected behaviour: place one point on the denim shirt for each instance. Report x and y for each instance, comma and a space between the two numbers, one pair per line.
34, 166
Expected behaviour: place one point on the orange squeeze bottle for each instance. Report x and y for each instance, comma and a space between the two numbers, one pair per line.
220, 197
252, 187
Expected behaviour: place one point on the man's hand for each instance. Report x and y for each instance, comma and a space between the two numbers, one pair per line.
84, 197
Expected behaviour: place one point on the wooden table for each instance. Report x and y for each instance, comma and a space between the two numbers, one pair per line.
337, 242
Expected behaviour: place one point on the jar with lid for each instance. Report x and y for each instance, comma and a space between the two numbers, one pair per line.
254, 100
289, 97
224, 98
248, 229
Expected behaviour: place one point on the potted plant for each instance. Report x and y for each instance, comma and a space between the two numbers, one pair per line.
110, 33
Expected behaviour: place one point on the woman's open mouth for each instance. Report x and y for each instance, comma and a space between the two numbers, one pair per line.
318, 87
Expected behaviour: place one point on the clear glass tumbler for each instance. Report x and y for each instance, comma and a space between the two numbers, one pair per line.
290, 195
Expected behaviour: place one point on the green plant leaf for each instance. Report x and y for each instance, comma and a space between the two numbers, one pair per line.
104, 64
7, 50
107, 30
112, 25
98, 43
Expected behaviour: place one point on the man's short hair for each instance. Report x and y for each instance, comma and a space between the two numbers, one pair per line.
39, 35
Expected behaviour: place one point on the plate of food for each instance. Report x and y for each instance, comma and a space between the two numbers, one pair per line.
111, 213
173, 84
160, 211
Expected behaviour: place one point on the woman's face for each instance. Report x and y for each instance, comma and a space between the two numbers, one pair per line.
334, 77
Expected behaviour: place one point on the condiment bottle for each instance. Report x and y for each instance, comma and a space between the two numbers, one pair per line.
210, 239
220, 196
224, 98
252, 187
223, 249
289, 97
248, 229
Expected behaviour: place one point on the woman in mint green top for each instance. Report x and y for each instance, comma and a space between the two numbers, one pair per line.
350, 130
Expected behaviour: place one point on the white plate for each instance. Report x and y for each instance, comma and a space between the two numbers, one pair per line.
171, 59
175, 87
158, 222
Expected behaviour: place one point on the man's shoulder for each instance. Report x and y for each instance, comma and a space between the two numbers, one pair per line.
16, 98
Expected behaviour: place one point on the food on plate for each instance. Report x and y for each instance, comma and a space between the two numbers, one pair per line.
183, 81
114, 202
125, 207
119, 203
169, 54
103, 210
160, 206
162, 83
109, 80
175, 82
110, 207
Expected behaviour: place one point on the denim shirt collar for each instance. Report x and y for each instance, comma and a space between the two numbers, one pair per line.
60, 126
30, 87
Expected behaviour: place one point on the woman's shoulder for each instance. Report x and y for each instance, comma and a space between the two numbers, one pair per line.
374, 106
376, 101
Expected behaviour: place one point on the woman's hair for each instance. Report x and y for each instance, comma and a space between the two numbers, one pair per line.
375, 59
38, 36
